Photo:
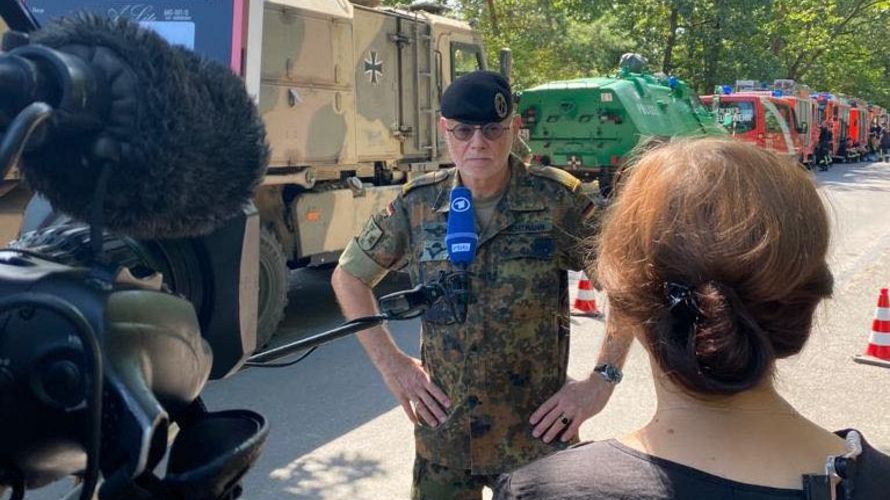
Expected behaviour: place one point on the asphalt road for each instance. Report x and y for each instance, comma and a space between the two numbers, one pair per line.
337, 433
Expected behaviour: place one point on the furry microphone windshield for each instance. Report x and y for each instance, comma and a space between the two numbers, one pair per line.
181, 137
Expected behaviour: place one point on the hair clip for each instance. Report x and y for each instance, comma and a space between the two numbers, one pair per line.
681, 302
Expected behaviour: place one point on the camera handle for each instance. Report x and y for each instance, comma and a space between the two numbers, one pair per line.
209, 457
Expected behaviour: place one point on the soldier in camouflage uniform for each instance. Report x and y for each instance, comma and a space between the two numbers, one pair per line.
491, 393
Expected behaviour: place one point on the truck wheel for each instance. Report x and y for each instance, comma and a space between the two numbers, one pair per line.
273, 285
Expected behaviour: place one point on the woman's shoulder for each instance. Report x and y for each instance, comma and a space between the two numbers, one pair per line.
609, 470
600, 469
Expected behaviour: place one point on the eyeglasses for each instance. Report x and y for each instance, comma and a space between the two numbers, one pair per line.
491, 131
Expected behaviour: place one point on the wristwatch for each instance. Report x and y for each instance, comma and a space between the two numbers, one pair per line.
610, 373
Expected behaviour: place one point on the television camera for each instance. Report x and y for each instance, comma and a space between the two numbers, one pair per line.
132, 285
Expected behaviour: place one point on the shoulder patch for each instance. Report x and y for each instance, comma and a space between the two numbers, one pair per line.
370, 235
426, 180
558, 175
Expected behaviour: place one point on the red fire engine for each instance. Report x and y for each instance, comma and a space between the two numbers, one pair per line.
760, 117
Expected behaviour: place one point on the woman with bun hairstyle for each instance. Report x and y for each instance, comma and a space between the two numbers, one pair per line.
713, 255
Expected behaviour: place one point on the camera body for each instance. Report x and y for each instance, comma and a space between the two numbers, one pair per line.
155, 360
110, 330
218, 272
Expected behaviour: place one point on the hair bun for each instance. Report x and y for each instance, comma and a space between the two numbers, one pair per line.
731, 351
723, 351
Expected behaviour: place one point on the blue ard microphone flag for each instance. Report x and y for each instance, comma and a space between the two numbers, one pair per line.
461, 238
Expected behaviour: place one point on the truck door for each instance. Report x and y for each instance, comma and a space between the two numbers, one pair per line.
417, 112
376, 58
777, 136
808, 117
790, 119
854, 126
305, 95
455, 54
842, 115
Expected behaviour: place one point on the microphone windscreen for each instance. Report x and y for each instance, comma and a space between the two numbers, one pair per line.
461, 238
191, 144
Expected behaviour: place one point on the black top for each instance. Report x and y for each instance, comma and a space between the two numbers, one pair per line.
825, 135
610, 470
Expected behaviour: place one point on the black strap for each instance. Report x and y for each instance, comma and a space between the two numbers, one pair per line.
846, 468
817, 487
145, 487
192, 413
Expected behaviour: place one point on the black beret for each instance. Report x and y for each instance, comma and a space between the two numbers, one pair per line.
477, 98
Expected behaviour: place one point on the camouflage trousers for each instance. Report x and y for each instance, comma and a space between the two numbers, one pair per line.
437, 482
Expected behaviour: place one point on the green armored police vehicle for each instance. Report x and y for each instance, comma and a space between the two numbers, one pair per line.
588, 126
349, 93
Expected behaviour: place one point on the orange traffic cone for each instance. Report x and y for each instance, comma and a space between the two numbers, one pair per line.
585, 301
878, 350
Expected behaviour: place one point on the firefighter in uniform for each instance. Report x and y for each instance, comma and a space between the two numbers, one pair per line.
489, 393
822, 157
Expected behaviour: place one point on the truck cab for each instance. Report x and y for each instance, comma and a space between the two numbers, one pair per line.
764, 120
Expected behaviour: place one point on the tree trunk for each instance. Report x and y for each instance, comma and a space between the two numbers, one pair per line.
494, 18
693, 69
667, 62
714, 45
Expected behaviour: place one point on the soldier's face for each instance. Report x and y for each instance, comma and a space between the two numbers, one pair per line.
479, 157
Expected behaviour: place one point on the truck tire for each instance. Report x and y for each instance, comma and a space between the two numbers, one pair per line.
273, 286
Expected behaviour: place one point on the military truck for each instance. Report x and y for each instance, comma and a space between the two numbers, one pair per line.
349, 92
589, 126
346, 134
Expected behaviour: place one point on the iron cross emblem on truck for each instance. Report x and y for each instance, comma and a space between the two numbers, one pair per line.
373, 68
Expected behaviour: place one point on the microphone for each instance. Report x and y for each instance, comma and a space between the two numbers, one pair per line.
408, 304
453, 287
461, 238
180, 138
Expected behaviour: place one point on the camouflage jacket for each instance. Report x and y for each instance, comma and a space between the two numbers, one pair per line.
511, 353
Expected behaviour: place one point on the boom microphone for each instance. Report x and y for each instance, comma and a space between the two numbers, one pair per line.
179, 137
461, 238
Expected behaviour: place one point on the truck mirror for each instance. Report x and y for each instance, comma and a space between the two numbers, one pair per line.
506, 62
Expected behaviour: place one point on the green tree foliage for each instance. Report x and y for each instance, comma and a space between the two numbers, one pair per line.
549, 39
835, 45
